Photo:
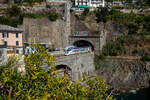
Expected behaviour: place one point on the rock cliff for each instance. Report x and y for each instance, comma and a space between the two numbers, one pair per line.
125, 73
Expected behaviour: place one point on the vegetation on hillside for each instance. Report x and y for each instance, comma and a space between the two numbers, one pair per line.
38, 84
130, 45
134, 22
23, 1
136, 42
14, 16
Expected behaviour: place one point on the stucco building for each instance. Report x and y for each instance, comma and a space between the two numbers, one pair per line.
11, 39
89, 3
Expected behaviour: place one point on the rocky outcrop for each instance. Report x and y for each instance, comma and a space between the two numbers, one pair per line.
125, 73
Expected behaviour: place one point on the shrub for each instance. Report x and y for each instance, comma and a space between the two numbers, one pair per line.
32, 15
85, 12
8, 21
132, 28
145, 58
102, 14
53, 16
102, 56
13, 11
135, 52
39, 84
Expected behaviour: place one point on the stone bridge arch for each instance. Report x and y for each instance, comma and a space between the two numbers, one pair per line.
58, 63
78, 64
64, 69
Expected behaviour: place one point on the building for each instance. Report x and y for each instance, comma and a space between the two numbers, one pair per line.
11, 39
89, 3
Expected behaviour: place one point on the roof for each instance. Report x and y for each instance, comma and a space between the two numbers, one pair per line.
10, 29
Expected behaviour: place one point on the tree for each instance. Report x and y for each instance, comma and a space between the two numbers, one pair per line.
13, 11
40, 84
132, 28
53, 16
86, 11
147, 2
102, 14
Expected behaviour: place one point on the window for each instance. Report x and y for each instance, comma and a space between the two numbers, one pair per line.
17, 43
5, 43
17, 51
17, 35
5, 34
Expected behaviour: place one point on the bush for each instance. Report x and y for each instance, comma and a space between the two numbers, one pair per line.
145, 58
8, 21
132, 28
134, 52
102, 14
38, 84
85, 12
53, 16
32, 15
13, 11
102, 56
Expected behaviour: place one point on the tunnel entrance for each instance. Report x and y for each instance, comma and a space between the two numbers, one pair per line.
83, 43
64, 70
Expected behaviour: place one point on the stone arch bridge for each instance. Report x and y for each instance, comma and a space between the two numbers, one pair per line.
77, 64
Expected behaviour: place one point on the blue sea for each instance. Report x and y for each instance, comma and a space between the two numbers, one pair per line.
143, 94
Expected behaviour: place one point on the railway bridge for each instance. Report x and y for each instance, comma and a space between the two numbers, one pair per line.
76, 65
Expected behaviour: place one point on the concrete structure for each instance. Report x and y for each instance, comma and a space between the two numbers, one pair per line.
76, 64
11, 39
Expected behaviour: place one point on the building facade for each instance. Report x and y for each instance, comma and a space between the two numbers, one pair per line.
11, 39
89, 3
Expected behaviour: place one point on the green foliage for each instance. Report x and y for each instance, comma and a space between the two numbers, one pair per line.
114, 49
134, 52
133, 22
85, 12
97, 62
127, 45
145, 58
102, 14
28, 1
53, 16
147, 2
102, 56
139, 19
38, 84
13, 11
8, 21
32, 15
132, 29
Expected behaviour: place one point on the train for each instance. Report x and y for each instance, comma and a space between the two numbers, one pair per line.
77, 50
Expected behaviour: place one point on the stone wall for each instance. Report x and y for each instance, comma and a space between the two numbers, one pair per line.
43, 31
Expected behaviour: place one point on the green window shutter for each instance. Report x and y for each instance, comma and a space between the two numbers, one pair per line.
16, 35
3, 34
5, 43
17, 43
7, 35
